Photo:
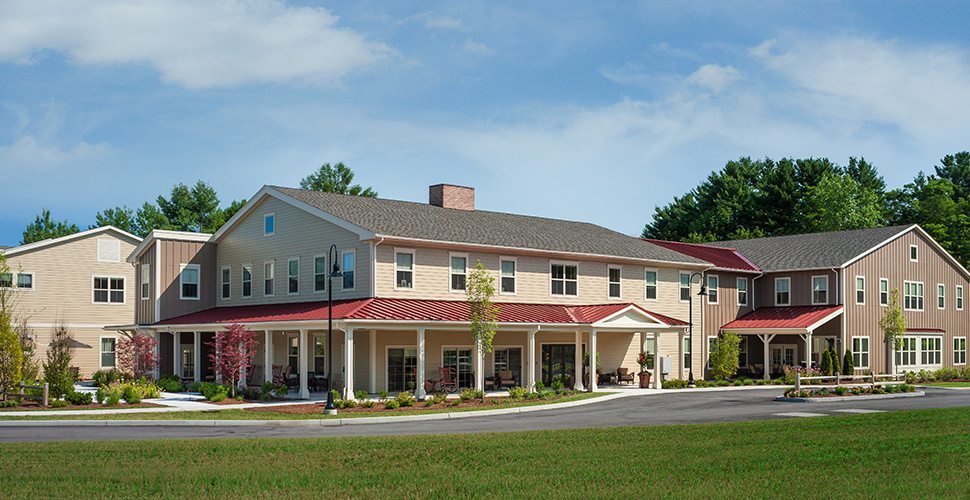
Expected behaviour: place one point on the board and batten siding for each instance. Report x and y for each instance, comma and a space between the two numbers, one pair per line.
174, 255
801, 287
892, 262
297, 234
145, 308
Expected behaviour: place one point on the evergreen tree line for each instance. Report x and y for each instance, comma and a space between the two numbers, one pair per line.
755, 198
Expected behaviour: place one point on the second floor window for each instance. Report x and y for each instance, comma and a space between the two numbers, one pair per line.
883, 292
742, 291
959, 298
108, 290
247, 281
713, 285
508, 276
684, 287
912, 295
189, 282
650, 277
269, 224
941, 296
319, 274
269, 279
293, 276
404, 270
146, 272
614, 279
349, 267
820, 289
459, 272
565, 279
25, 281
226, 282
860, 289
782, 291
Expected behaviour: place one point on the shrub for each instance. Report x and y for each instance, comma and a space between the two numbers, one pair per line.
439, 397
721, 383
9, 403
557, 386
747, 381
841, 390
826, 362
392, 405
270, 390
345, 403
193, 386
109, 395
135, 391
428, 403
250, 393
405, 399
848, 365
170, 383
78, 398
674, 384
456, 402
540, 386
518, 392
361, 395
57, 367
367, 404
106, 377
469, 394
382, 395
58, 403
214, 392
724, 356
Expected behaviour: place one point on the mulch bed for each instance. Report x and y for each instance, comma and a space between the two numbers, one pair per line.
35, 406
227, 402
317, 408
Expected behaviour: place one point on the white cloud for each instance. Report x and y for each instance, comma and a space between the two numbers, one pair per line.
714, 77
28, 154
195, 44
477, 48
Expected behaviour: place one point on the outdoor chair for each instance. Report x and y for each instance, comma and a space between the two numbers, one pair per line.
624, 375
504, 378
448, 383
603, 378
277, 374
291, 380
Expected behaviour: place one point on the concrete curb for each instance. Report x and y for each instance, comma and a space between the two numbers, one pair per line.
836, 399
320, 422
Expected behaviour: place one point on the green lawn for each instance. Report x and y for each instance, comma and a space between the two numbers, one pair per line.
241, 414
947, 384
899, 454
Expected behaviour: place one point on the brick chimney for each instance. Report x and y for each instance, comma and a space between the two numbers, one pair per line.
451, 196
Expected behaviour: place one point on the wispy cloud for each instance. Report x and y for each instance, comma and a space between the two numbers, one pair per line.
714, 77
477, 48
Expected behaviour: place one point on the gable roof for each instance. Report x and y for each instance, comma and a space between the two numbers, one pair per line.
64, 239
422, 222
814, 250
162, 234
721, 257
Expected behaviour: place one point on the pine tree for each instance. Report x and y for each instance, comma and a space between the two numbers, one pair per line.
848, 365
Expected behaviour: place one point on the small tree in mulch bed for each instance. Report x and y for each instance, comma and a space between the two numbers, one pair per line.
136, 355
233, 350
848, 365
57, 367
482, 313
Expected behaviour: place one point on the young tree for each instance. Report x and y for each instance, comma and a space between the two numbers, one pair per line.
724, 356
482, 313
836, 362
848, 365
136, 355
57, 368
893, 325
826, 364
44, 227
29, 369
336, 179
11, 355
233, 350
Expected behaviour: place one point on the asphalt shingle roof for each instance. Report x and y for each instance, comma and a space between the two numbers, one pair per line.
406, 219
810, 251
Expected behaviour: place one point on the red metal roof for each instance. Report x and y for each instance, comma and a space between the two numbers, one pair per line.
793, 317
926, 330
382, 309
723, 257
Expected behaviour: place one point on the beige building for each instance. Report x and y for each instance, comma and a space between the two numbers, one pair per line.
79, 281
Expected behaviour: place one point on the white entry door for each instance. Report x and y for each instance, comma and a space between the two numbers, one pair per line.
781, 355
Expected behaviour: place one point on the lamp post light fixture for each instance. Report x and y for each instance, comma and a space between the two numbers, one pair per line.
690, 322
332, 254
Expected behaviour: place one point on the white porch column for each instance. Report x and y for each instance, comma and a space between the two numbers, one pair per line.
158, 354
592, 361
197, 355
578, 360
530, 361
177, 354
657, 361
349, 363
372, 345
419, 383
808, 349
477, 367
268, 356
680, 354
304, 387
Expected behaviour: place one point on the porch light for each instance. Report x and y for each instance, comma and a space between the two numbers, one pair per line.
703, 292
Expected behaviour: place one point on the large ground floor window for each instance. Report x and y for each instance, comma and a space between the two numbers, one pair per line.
559, 363
906, 355
187, 352
508, 358
459, 359
402, 364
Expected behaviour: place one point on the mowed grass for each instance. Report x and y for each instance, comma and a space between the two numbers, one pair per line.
888, 455
242, 414
947, 384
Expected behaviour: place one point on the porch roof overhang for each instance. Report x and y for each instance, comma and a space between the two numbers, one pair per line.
782, 320
416, 313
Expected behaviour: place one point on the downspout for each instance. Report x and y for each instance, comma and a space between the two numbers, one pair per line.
373, 266
751, 292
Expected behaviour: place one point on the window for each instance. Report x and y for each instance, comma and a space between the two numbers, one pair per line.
319, 354
883, 292
188, 358
684, 287
293, 275
507, 275
940, 296
959, 350
293, 353
564, 279
108, 290
319, 273
742, 291
508, 358
6, 280
146, 272
404, 269
913, 253
459, 272
686, 354
713, 284
613, 275
269, 224
711, 344
650, 278
912, 295
109, 251
247, 281
959, 297
349, 267
782, 291
269, 278
460, 361
931, 350
820, 290
743, 351
860, 289
189, 282
906, 355
25, 281
107, 352
860, 352
226, 282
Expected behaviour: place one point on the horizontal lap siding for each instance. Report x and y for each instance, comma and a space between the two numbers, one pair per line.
86, 355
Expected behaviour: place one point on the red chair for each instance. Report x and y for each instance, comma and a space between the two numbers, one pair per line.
448, 381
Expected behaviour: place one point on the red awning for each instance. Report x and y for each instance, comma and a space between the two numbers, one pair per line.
925, 330
383, 309
785, 318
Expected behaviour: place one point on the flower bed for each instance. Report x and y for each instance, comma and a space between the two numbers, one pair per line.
682, 384
36, 406
841, 391
941, 375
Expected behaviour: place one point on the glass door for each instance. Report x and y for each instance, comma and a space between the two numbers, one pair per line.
509, 358
402, 364
558, 363
460, 362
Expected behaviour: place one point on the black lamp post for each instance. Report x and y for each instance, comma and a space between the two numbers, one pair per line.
690, 322
333, 255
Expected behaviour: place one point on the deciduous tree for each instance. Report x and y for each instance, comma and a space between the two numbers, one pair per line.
11, 354
136, 355
482, 313
893, 326
45, 227
724, 356
57, 367
233, 350
336, 179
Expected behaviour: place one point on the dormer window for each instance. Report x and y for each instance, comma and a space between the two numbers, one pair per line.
269, 224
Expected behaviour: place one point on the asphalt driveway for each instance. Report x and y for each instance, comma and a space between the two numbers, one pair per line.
662, 409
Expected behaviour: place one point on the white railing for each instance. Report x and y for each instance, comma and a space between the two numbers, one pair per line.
871, 380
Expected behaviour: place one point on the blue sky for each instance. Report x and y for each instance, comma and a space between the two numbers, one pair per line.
593, 111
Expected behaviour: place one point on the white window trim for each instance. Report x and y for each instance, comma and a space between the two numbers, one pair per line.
272, 264
222, 282
812, 291
954, 354
958, 298
326, 273
868, 352
855, 287
498, 347
747, 290
923, 295
124, 290
354, 270
198, 271
144, 282
451, 271
680, 286
911, 248
888, 292
707, 347
100, 338
707, 281
297, 260
563, 263
414, 260
609, 267
515, 277
775, 291
656, 283
941, 293
16, 281
267, 216
242, 282
313, 353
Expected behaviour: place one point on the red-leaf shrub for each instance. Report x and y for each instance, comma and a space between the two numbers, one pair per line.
136, 355
233, 350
